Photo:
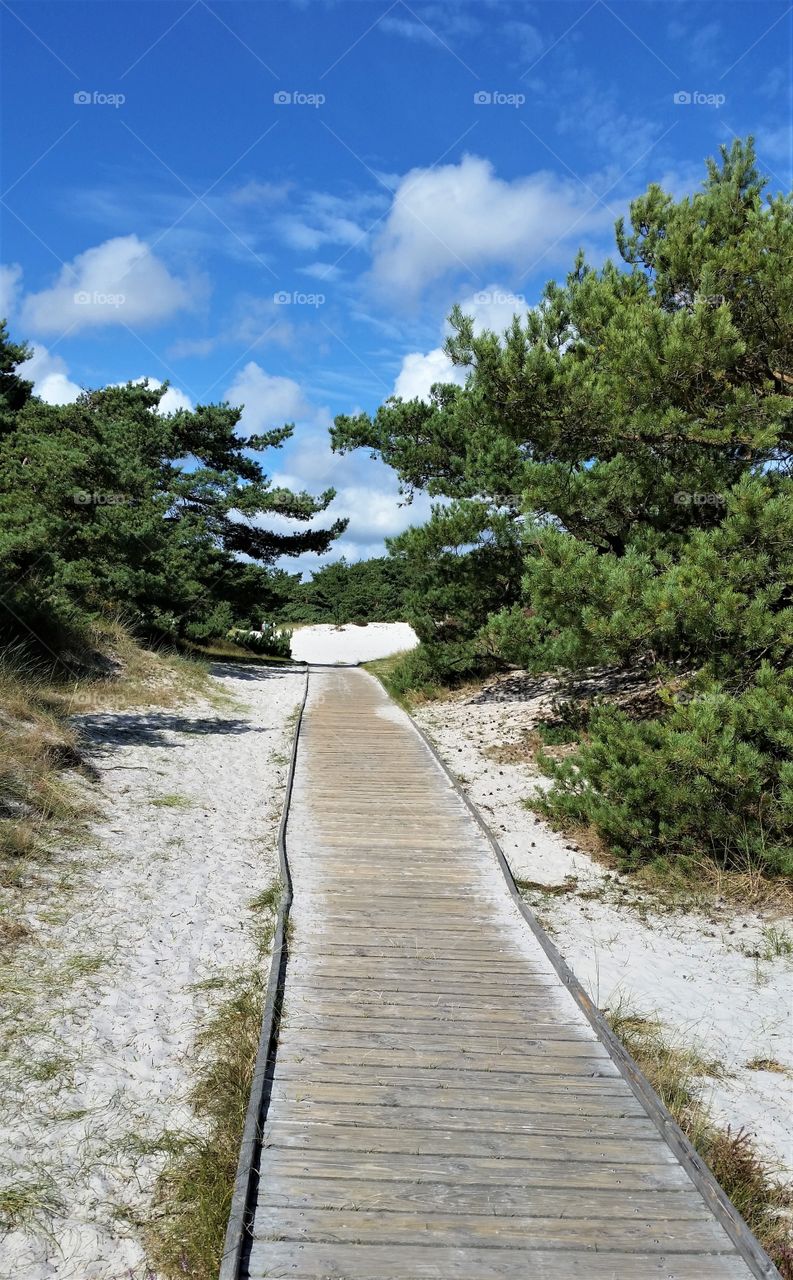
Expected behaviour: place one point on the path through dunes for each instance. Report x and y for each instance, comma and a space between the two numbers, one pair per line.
440, 1105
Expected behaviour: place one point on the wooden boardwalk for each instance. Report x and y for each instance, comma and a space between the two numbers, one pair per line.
441, 1108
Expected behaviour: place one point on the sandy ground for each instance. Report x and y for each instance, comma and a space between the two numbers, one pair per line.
326, 643
713, 979
104, 1004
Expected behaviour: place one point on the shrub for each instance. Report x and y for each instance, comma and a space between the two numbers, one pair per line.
424, 671
713, 777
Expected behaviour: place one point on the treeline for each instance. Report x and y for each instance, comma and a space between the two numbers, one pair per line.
366, 591
618, 476
109, 507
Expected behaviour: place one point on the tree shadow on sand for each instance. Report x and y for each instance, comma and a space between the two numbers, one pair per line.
101, 733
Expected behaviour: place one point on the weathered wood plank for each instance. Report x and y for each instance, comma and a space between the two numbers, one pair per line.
479, 1171
302, 1189
304, 1135
373, 1056
435, 1023
276, 1260
503, 1103
472, 1121
365, 1226
439, 1039
470, 1077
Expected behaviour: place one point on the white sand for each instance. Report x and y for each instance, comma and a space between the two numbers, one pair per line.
326, 643
699, 974
158, 906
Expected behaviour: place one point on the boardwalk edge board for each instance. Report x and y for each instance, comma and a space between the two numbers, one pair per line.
238, 1236
747, 1244
246, 1179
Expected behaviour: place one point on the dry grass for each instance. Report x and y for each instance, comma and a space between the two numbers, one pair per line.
37, 746
746, 1176
186, 1232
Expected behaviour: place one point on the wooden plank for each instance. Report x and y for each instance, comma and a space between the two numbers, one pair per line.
365, 1226
467, 1077
303, 1189
434, 986
493, 1173
372, 1056
317, 1018
302, 1135
520, 1011
566, 1124
510, 973
504, 1103
439, 1039
276, 1260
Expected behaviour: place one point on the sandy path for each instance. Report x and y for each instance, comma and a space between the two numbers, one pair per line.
712, 979
326, 643
105, 1005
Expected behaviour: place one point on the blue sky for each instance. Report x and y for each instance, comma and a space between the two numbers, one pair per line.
277, 203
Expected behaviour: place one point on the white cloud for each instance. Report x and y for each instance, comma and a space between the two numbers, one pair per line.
49, 375
419, 372
321, 271
10, 277
463, 217
494, 307
269, 399
118, 282
375, 514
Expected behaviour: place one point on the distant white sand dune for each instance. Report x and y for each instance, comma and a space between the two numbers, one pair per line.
350, 643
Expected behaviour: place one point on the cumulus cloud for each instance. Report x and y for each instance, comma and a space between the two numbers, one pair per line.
49, 375
419, 372
464, 217
118, 282
494, 307
10, 277
269, 400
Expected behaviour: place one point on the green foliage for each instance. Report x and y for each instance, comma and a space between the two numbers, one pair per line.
459, 566
107, 505
367, 591
424, 671
713, 776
